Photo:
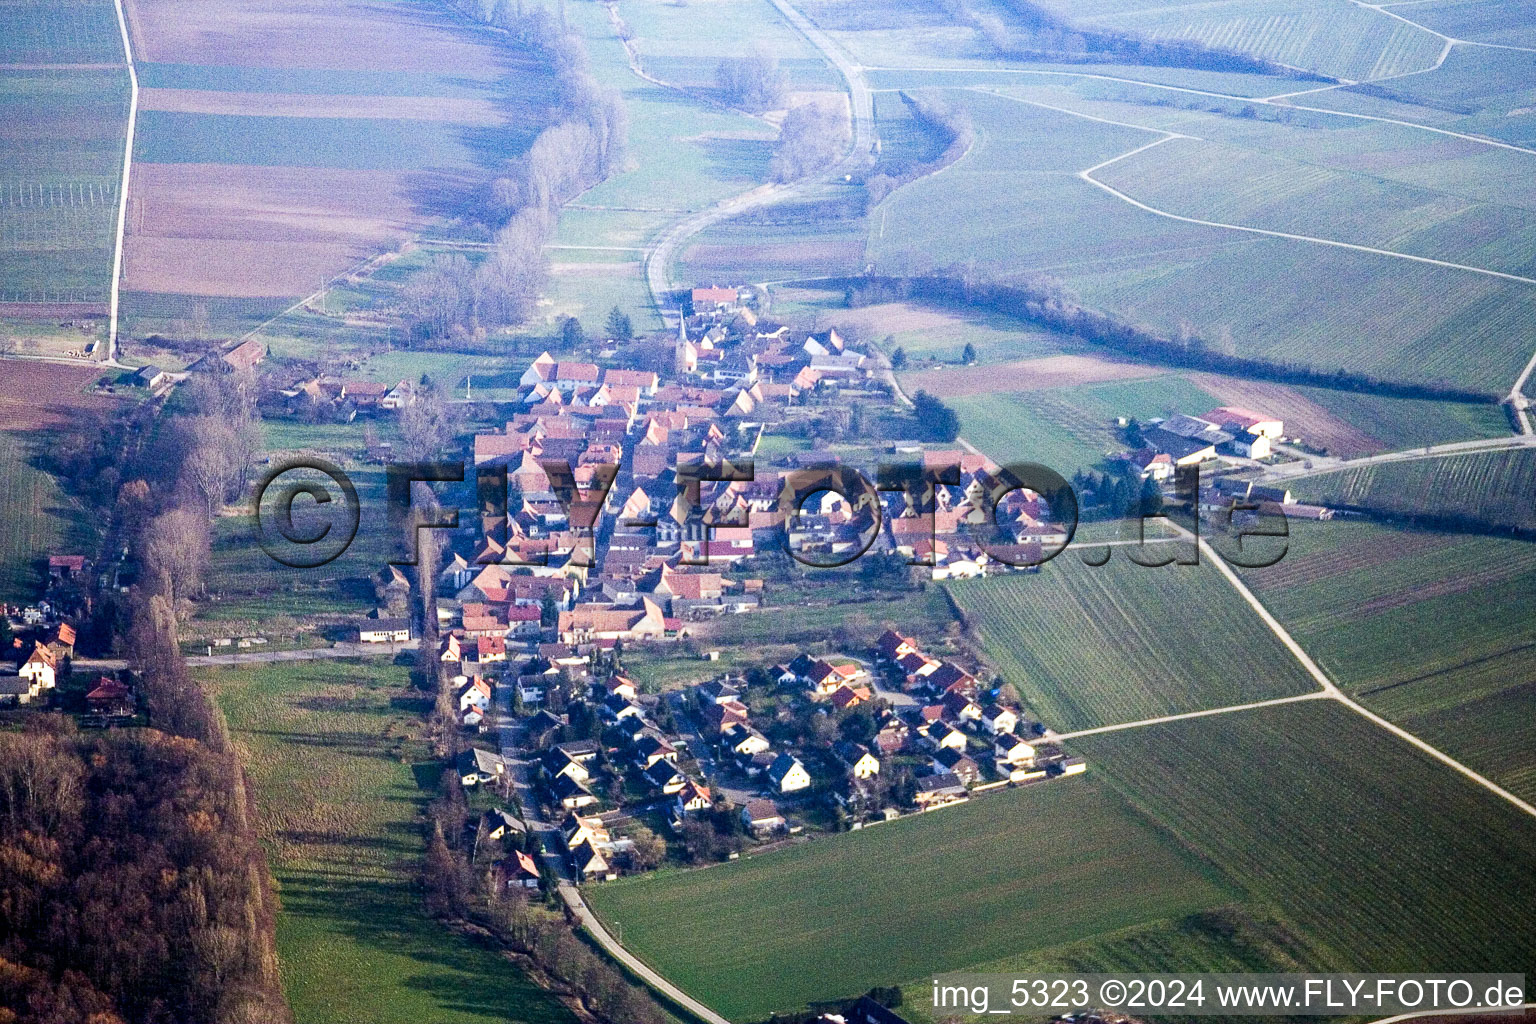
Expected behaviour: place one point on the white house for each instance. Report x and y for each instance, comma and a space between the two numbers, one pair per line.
384, 631
1010, 749
788, 775
39, 668
999, 719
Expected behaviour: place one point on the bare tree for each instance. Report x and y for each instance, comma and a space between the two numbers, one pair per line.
175, 555
754, 82
811, 137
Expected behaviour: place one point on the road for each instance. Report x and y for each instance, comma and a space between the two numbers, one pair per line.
1329, 464
594, 927
861, 106
122, 203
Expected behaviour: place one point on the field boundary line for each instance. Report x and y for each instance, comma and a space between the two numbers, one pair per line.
1087, 175
114, 300
1331, 689
1185, 715
1482, 140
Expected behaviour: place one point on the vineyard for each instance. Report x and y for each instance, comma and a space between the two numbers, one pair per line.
33, 32
1489, 490
1095, 646
1374, 605
1343, 830
1334, 39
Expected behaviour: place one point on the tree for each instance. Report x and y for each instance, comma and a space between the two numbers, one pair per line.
649, 849
619, 326
571, 334
754, 83
935, 420
899, 359
175, 555
968, 354
811, 137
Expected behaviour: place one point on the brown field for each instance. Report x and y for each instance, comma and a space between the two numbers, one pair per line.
278, 232
350, 35
1302, 416
1024, 375
36, 395
257, 232
885, 317
458, 109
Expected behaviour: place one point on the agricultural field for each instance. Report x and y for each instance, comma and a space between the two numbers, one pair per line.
1314, 35
37, 517
1373, 604
1343, 831
276, 155
1491, 490
61, 155
1030, 868
1310, 304
1089, 646
328, 748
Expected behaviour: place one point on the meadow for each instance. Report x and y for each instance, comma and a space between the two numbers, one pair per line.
1488, 490
328, 748
1088, 646
1343, 831
1018, 869
39, 518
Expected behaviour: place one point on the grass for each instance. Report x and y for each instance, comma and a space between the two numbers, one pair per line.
327, 747
1026, 868
37, 519
1410, 422
1380, 858
924, 610
1491, 489
1092, 646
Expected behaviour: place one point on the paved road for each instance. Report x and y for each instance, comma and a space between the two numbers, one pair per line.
1329, 464
595, 928
122, 195
861, 103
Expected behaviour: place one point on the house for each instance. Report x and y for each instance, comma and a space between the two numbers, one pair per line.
788, 775
998, 719
499, 823
1183, 451
1235, 419
939, 790
581, 751
400, 396
867, 1011
571, 793
150, 376
475, 694
384, 631
960, 708
692, 798
476, 766
762, 818
845, 696
16, 690
650, 749
718, 717
1009, 749
949, 676
958, 763
663, 775
63, 567
246, 355
892, 646
714, 300
941, 735
586, 622
111, 699
522, 872
620, 686
861, 763
561, 765
824, 678
40, 668
575, 830
1071, 765
718, 691
1151, 465
590, 865
743, 740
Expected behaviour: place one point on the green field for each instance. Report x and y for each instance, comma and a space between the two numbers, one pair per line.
37, 519
80, 32
1092, 646
327, 747
1019, 869
1380, 858
1374, 606
1489, 489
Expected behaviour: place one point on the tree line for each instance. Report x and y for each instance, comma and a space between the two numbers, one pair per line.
953, 126
1042, 300
461, 299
